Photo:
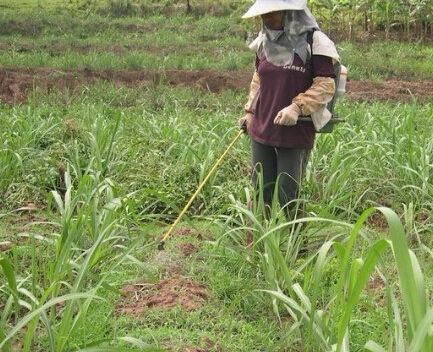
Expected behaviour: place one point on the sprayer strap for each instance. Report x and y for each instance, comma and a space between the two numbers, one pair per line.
310, 35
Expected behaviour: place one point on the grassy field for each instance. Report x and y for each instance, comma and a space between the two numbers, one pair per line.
31, 5
110, 121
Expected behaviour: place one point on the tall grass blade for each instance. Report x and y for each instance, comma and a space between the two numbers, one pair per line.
11, 278
410, 277
321, 261
374, 347
422, 333
36, 312
353, 295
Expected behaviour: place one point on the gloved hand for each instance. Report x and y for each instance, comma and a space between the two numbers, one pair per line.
288, 116
247, 119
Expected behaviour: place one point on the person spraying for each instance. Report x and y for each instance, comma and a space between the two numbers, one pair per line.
291, 79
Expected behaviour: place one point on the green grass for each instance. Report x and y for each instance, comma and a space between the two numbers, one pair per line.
162, 41
368, 61
26, 5
91, 178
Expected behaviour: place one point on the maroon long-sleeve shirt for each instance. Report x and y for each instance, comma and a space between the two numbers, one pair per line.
278, 86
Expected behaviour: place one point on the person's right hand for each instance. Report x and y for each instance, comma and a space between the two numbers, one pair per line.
288, 116
247, 119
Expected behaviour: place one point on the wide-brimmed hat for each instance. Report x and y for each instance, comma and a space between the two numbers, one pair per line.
261, 7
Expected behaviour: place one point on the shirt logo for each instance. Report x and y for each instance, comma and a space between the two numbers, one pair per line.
294, 68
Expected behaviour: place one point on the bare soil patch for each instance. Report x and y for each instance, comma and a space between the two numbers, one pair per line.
17, 84
176, 291
165, 294
392, 90
173, 289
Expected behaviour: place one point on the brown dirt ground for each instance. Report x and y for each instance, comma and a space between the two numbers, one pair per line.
165, 294
17, 83
173, 289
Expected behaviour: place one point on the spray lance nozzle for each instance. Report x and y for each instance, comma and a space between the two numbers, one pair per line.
161, 245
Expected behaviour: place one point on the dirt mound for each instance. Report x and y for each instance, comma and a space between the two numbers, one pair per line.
16, 84
176, 291
173, 289
166, 294
392, 90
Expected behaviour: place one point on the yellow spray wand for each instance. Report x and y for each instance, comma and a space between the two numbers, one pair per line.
170, 230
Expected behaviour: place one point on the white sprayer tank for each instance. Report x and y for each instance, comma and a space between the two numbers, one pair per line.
341, 89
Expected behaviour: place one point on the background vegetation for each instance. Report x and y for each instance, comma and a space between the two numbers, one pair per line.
92, 175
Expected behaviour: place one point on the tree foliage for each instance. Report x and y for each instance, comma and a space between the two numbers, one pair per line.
410, 19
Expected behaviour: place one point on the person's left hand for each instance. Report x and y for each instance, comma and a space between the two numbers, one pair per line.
288, 116
245, 122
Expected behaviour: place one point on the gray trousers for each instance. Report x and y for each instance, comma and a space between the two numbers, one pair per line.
285, 164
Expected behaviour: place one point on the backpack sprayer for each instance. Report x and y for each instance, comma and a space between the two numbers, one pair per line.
340, 89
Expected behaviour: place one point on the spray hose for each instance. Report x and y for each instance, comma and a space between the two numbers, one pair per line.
201, 185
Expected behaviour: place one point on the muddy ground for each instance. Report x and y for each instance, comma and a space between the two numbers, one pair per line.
16, 84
